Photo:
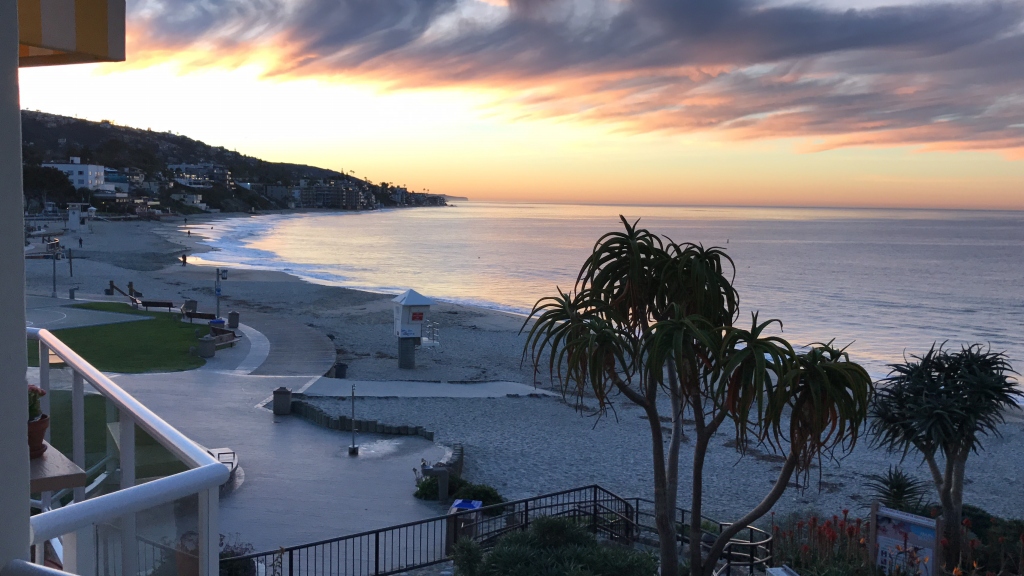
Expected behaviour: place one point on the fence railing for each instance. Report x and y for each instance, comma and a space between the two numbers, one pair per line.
426, 542
750, 551
79, 518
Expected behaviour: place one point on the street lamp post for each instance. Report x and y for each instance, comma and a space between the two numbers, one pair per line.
222, 274
353, 450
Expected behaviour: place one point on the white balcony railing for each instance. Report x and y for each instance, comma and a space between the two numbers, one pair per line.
75, 523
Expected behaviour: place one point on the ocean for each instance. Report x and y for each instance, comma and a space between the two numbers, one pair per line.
884, 282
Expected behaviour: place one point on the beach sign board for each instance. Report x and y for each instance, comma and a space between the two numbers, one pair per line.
904, 543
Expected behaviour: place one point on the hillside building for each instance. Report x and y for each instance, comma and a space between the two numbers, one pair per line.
81, 175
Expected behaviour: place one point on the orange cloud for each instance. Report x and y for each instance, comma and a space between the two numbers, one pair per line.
939, 76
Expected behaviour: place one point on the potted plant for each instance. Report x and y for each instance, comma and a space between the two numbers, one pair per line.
37, 422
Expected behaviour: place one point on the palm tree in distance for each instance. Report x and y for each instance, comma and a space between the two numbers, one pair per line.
649, 318
942, 404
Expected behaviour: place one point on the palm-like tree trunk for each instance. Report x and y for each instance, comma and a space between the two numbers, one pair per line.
664, 499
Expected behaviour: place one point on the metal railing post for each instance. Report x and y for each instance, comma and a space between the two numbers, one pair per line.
376, 552
526, 515
44, 381
209, 532
129, 545
593, 511
78, 428
290, 563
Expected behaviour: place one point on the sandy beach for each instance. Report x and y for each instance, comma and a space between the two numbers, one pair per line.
523, 446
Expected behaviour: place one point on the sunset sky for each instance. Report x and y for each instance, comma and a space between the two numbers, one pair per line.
839, 103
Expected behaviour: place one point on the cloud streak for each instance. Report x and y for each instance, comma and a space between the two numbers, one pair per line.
938, 75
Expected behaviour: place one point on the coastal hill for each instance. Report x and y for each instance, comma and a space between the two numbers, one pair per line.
163, 167
49, 137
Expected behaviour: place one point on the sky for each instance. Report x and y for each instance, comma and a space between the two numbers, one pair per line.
901, 103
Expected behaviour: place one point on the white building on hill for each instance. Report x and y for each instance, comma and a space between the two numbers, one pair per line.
81, 175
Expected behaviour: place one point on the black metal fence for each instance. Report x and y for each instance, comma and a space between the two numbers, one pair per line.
423, 543
748, 552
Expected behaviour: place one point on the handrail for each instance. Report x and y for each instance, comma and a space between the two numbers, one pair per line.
22, 568
206, 474
179, 444
127, 501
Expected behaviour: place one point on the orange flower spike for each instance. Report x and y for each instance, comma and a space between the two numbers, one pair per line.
957, 571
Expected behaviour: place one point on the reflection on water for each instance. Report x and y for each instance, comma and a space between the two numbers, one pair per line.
885, 280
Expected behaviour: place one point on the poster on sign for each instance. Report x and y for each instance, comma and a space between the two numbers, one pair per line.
417, 316
904, 543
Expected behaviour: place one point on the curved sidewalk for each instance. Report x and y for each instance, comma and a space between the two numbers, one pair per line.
295, 349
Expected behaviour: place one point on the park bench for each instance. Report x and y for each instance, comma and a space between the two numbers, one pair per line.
223, 336
147, 304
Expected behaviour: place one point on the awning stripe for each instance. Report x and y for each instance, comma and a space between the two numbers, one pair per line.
70, 31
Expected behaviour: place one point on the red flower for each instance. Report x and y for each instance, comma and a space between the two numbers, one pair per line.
944, 542
805, 549
846, 511
966, 522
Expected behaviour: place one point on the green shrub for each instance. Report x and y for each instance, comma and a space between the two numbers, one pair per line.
484, 493
900, 491
468, 557
426, 487
559, 547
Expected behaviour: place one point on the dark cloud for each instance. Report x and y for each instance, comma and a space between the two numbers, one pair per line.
924, 73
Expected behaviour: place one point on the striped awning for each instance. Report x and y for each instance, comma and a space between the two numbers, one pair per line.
55, 32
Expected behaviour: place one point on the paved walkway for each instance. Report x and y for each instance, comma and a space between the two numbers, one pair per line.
296, 349
58, 313
298, 483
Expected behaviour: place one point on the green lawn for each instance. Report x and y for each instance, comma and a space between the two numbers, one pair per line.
160, 344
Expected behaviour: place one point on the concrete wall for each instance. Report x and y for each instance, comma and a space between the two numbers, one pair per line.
14, 480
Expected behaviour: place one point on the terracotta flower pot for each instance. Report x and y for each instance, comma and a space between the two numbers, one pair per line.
36, 434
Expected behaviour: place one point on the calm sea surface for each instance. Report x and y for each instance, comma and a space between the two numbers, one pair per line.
884, 280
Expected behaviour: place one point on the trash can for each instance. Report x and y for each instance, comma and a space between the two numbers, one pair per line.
232, 320
464, 524
207, 346
340, 370
71, 293
282, 401
217, 323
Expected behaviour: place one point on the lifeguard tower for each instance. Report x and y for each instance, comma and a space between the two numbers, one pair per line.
410, 309
76, 217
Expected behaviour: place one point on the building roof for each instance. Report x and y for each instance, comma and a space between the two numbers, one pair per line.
412, 298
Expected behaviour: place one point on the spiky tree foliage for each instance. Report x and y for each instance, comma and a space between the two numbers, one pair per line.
652, 320
942, 404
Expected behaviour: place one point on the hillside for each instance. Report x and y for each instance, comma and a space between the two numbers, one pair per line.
49, 137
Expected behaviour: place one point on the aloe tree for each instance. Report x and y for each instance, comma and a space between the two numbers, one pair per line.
942, 404
653, 321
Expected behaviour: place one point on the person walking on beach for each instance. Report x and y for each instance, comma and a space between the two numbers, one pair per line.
79, 241
184, 259
189, 233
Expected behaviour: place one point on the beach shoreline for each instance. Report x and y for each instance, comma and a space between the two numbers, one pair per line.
522, 446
